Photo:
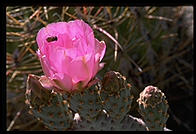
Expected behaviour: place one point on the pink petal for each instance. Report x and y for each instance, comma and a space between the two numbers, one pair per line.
51, 30
100, 49
78, 69
46, 82
79, 27
101, 65
45, 64
58, 59
56, 28
40, 38
92, 67
66, 41
62, 81
63, 41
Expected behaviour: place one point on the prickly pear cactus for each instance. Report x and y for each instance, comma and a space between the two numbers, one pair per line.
153, 107
87, 102
101, 105
105, 123
115, 95
48, 106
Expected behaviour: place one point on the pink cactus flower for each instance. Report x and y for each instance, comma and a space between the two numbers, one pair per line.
69, 53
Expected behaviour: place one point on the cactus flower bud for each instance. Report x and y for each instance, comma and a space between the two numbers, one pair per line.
153, 108
113, 82
69, 53
116, 95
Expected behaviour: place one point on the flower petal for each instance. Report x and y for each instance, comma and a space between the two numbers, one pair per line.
58, 59
40, 38
79, 27
45, 64
100, 49
78, 69
62, 81
56, 28
46, 82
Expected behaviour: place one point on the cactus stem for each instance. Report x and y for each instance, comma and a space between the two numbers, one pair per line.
27, 102
129, 106
51, 115
49, 103
91, 92
129, 85
91, 128
162, 125
112, 121
62, 123
41, 120
115, 105
111, 111
39, 110
28, 92
131, 97
97, 110
30, 112
148, 121
58, 104
97, 101
90, 102
106, 100
150, 113
118, 116
80, 108
65, 102
122, 110
102, 124
167, 115
157, 121
125, 99
82, 94
60, 114
51, 123
117, 96
152, 127
91, 110
81, 102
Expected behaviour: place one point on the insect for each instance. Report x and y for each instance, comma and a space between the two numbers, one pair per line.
50, 39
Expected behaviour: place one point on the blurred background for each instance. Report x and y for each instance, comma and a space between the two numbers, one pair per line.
148, 45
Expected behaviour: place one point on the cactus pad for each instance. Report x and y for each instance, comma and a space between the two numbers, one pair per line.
86, 102
47, 106
106, 123
153, 108
115, 95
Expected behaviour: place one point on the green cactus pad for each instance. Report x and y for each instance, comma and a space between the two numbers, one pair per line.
113, 82
115, 95
86, 102
106, 123
130, 123
153, 107
101, 123
48, 106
